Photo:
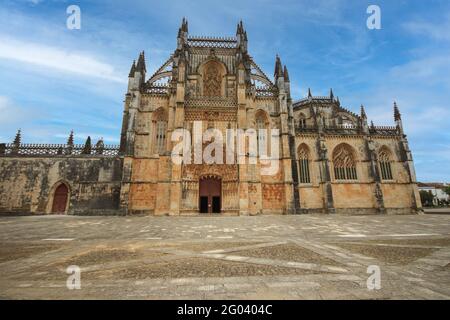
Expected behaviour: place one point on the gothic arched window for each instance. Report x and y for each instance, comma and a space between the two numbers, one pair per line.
160, 128
303, 164
344, 163
384, 159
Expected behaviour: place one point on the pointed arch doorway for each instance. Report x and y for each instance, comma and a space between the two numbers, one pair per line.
210, 195
60, 198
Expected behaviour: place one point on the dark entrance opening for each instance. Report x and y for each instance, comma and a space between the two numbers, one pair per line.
210, 195
60, 199
216, 204
203, 204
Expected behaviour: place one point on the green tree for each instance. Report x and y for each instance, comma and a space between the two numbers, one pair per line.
447, 190
87, 146
426, 197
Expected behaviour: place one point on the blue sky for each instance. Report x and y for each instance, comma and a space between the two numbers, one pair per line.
53, 79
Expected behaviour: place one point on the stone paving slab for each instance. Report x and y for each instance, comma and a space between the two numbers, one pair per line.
263, 257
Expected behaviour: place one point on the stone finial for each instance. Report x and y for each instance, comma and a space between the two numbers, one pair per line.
240, 29
70, 139
141, 63
397, 115
99, 146
278, 67
87, 146
338, 101
69, 148
132, 70
331, 94
286, 74
309, 93
16, 143
363, 112
18, 138
372, 126
184, 25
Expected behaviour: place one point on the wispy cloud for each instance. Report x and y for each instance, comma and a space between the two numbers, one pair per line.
56, 58
438, 30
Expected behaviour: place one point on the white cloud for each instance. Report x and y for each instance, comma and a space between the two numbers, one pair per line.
12, 114
57, 59
434, 30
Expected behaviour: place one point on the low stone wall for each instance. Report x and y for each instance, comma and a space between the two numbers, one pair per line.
27, 184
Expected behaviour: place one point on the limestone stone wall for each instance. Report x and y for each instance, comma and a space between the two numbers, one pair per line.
27, 185
357, 196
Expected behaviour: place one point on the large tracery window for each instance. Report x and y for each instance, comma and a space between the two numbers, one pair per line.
344, 163
384, 159
303, 164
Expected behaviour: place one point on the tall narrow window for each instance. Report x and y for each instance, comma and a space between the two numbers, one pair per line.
303, 164
384, 160
260, 126
344, 163
161, 136
262, 132
302, 121
159, 131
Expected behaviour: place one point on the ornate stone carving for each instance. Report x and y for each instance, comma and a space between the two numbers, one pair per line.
213, 81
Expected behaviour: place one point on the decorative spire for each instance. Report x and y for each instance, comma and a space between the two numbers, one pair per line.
87, 146
18, 138
16, 143
70, 140
278, 67
286, 74
372, 126
337, 101
309, 93
240, 28
363, 112
185, 25
141, 63
132, 70
397, 115
331, 94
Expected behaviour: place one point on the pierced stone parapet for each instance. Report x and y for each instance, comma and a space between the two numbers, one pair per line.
33, 149
213, 42
211, 102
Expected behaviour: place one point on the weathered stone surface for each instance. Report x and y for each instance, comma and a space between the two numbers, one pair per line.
27, 184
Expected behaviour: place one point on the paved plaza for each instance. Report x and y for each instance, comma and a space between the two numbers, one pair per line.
213, 257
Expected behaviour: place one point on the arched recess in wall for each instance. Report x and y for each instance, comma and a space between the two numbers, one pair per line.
304, 161
59, 198
159, 131
385, 159
213, 74
344, 162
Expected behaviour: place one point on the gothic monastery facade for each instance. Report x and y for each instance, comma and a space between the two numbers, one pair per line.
331, 160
